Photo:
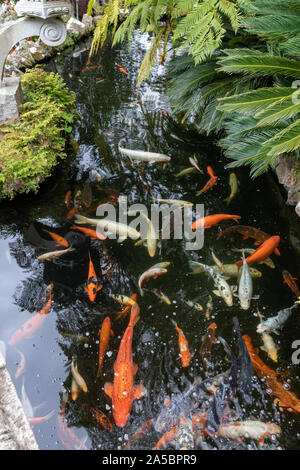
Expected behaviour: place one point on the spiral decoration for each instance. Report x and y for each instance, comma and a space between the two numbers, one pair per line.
53, 32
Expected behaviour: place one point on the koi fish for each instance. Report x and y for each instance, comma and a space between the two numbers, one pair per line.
185, 355
74, 389
100, 417
208, 340
29, 410
185, 171
40, 419
154, 271
285, 398
198, 422
247, 232
210, 220
113, 227
211, 182
274, 324
21, 366
250, 429
263, 251
123, 70
268, 261
234, 184
269, 346
209, 308
89, 232
104, 335
231, 270
173, 202
122, 391
195, 305
71, 213
193, 161
67, 197
33, 324
128, 304
92, 283
151, 236
66, 435
224, 290
60, 240
54, 254
161, 296
290, 281
217, 261
245, 286
77, 377
145, 156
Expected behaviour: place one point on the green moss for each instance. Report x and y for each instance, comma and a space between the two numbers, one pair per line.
32, 146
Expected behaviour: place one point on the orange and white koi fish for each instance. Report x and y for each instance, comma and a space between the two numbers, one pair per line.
290, 281
104, 335
155, 271
122, 391
250, 429
92, 283
185, 355
58, 238
210, 220
89, 232
33, 324
263, 251
128, 301
54, 254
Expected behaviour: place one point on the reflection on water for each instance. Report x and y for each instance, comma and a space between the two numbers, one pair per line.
113, 110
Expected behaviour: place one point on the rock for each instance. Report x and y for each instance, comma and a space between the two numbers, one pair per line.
76, 26
285, 169
11, 98
87, 21
297, 209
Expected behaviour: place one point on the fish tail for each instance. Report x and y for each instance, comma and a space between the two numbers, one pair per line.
239, 263
174, 323
135, 315
80, 219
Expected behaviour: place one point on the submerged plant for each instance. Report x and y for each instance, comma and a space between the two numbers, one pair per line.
33, 145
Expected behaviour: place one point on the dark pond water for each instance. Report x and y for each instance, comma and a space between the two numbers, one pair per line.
116, 110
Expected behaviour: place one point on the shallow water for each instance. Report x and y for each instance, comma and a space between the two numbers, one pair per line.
117, 111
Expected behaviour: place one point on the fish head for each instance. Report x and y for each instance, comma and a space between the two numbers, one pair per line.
228, 298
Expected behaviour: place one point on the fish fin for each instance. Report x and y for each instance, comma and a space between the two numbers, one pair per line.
226, 278
135, 368
216, 292
261, 442
99, 287
277, 252
112, 333
139, 391
233, 288
255, 297
134, 316
108, 389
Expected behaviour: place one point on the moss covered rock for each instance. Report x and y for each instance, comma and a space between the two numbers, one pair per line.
32, 146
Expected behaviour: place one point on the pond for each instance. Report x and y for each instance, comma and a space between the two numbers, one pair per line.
113, 109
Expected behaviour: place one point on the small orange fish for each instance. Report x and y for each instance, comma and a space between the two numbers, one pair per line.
92, 283
100, 417
183, 346
122, 391
33, 324
211, 182
89, 232
67, 197
290, 281
71, 213
60, 240
263, 251
214, 219
164, 112
123, 70
104, 335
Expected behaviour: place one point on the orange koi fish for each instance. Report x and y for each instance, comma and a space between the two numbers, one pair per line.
71, 213
33, 324
263, 251
67, 197
89, 232
183, 346
122, 391
214, 219
290, 281
211, 182
285, 399
60, 240
104, 335
247, 232
100, 417
92, 283
66, 435
208, 340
